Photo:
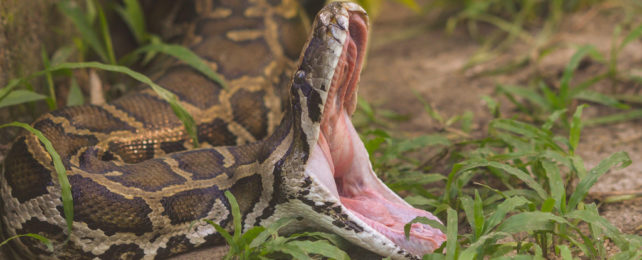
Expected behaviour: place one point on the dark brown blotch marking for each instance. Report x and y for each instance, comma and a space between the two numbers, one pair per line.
153, 112
191, 86
102, 209
190, 205
291, 36
177, 146
218, 27
150, 175
64, 143
46, 229
247, 58
247, 192
123, 251
93, 118
216, 133
250, 111
175, 245
202, 164
26, 176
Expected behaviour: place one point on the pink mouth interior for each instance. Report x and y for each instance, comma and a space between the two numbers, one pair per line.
340, 161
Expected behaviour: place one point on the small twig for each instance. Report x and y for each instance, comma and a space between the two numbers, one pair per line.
615, 196
95, 89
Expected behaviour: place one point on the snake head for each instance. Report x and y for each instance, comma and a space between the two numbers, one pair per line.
335, 185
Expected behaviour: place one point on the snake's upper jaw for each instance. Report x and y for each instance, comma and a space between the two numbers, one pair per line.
370, 214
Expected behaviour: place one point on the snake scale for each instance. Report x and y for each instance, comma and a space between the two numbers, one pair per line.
279, 139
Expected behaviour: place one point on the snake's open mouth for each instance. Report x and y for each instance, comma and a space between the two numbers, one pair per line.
340, 161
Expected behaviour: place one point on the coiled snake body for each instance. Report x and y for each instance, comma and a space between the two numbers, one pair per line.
280, 141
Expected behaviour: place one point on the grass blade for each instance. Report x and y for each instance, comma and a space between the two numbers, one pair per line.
586, 183
423, 220
503, 208
51, 100
510, 170
634, 34
20, 96
236, 215
471, 251
320, 247
570, 68
132, 14
555, 183
600, 98
181, 113
451, 234
226, 235
187, 56
530, 221
63, 181
42, 239
619, 117
270, 230
576, 128
83, 25
104, 29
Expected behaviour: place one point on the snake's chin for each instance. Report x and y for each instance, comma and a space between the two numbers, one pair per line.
340, 162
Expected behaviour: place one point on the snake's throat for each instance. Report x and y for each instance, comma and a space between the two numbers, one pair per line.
341, 163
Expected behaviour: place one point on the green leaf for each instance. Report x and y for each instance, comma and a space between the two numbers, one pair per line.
63, 181
75, 96
530, 221
320, 247
293, 250
555, 183
576, 128
187, 56
104, 29
526, 93
423, 220
20, 96
510, 170
133, 15
614, 118
181, 113
594, 218
479, 215
51, 100
503, 208
270, 230
236, 215
586, 183
226, 235
565, 252
552, 118
451, 234
570, 68
42, 239
600, 98
471, 251
83, 25
634, 34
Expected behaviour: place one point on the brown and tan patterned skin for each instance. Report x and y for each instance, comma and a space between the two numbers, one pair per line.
107, 149
140, 190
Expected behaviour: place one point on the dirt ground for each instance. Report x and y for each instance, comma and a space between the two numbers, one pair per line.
430, 62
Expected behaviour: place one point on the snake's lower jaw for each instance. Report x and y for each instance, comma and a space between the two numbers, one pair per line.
340, 164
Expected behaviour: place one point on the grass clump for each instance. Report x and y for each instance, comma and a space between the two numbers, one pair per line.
265, 243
